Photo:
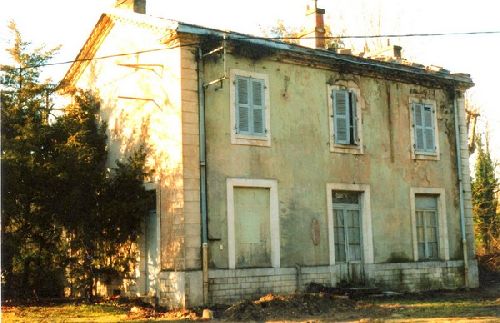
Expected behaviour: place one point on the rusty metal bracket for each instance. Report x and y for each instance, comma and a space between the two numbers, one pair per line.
221, 50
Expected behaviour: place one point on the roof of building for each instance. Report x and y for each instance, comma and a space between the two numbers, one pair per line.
392, 68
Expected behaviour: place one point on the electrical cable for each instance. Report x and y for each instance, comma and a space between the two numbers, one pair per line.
108, 56
272, 38
396, 35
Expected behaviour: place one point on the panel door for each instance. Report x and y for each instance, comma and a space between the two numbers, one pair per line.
348, 236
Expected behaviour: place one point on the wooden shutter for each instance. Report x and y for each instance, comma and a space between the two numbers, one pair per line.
354, 118
258, 108
428, 128
418, 125
242, 106
341, 116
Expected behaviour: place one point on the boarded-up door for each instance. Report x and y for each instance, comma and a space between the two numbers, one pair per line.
252, 227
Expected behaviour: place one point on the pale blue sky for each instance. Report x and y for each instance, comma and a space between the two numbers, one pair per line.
69, 22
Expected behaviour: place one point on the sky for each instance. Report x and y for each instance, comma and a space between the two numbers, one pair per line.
69, 22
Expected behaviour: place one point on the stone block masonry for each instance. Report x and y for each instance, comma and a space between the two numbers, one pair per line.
412, 277
172, 289
231, 285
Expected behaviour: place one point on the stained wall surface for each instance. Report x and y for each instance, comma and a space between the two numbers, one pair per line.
150, 99
299, 158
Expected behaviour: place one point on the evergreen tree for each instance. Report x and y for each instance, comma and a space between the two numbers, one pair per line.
30, 238
484, 201
101, 210
64, 214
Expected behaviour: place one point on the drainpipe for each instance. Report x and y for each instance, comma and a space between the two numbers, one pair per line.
298, 278
461, 191
203, 177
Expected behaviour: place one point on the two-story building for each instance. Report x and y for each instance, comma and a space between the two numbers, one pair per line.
277, 165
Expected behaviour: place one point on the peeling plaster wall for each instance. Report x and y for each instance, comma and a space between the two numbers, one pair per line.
152, 98
142, 103
300, 159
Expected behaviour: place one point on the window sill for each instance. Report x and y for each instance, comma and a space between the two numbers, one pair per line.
425, 156
237, 139
346, 149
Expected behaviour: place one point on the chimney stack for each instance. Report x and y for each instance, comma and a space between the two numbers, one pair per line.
388, 52
137, 6
315, 27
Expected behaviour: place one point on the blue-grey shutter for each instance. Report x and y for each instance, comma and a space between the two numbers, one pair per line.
258, 107
242, 106
354, 124
418, 125
341, 116
428, 126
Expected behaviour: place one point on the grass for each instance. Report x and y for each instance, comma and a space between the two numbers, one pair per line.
65, 313
438, 306
394, 309
443, 308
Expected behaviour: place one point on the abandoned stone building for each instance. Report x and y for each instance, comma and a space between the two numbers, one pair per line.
277, 164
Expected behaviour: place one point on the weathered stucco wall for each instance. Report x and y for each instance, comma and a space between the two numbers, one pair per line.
152, 98
300, 159
143, 104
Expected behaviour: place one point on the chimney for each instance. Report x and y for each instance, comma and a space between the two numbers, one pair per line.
315, 27
388, 52
396, 51
137, 6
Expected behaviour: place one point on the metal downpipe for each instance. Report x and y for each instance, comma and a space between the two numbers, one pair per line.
461, 191
203, 177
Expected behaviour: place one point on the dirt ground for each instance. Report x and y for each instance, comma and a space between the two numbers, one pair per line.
318, 304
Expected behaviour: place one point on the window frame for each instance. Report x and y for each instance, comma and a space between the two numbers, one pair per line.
426, 227
365, 219
344, 207
443, 245
423, 154
272, 184
359, 106
249, 139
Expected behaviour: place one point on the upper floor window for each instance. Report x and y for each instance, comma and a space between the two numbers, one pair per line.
250, 106
345, 117
345, 124
424, 130
250, 109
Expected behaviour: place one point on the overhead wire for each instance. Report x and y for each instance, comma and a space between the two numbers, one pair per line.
269, 38
109, 56
400, 35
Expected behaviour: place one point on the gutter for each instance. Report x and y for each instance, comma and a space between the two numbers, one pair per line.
461, 192
203, 176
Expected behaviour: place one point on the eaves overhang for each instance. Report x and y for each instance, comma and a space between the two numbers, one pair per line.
413, 73
329, 57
